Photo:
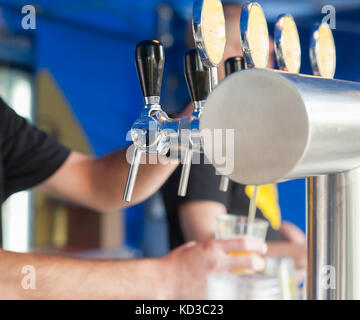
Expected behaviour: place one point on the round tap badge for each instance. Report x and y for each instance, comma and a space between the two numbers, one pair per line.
287, 44
209, 31
322, 51
254, 35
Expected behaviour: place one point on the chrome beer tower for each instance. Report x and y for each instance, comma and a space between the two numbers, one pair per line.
306, 127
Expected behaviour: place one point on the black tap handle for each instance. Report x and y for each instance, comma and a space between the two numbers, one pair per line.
197, 76
234, 64
150, 60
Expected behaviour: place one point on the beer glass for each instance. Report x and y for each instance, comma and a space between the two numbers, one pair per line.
231, 226
231, 286
284, 269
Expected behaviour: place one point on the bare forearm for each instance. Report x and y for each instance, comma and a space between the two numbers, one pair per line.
112, 171
100, 183
64, 278
198, 219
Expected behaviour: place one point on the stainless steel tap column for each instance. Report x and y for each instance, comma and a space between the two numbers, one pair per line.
333, 224
307, 127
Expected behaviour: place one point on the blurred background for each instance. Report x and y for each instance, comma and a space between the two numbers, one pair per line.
75, 77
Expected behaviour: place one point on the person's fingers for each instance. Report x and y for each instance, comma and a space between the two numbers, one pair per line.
292, 233
251, 261
243, 244
187, 245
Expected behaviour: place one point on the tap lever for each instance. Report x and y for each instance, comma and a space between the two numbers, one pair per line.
150, 61
197, 76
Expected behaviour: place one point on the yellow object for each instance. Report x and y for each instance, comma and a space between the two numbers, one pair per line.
59, 121
268, 203
241, 271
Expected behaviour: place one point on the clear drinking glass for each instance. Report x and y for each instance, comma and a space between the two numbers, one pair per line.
284, 269
230, 226
232, 286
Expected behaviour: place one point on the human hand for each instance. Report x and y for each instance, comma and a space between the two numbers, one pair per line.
189, 266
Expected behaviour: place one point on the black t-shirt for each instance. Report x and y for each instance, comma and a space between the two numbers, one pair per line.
204, 186
28, 155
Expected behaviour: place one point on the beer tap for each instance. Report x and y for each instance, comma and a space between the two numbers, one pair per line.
322, 51
232, 65
255, 45
210, 40
287, 44
197, 78
254, 36
146, 133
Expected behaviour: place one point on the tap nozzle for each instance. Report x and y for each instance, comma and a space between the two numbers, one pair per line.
145, 133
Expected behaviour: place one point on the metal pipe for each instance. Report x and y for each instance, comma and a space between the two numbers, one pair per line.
333, 225
304, 126
301, 125
213, 78
185, 172
131, 179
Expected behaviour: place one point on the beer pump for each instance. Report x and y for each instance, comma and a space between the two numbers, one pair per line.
210, 40
287, 44
152, 132
254, 36
197, 78
306, 127
146, 132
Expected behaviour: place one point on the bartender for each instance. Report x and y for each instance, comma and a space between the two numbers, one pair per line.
29, 157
